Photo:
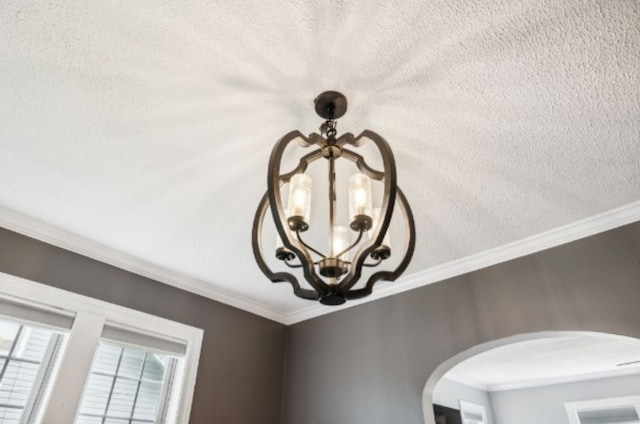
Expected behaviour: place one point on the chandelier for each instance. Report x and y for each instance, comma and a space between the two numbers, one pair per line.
333, 273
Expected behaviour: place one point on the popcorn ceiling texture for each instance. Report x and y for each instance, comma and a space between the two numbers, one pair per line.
146, 126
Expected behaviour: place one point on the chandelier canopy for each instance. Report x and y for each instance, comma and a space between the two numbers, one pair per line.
333, 274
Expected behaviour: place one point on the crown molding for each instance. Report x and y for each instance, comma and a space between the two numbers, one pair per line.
464, 380
567, 233
539, 382
587, 227
49, 234
565, 379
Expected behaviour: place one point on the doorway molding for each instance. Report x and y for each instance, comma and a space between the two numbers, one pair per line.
444, 367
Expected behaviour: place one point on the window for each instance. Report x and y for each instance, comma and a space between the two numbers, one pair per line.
472, 413
623, 415
27, 354
66, 358
623, 410
127, 385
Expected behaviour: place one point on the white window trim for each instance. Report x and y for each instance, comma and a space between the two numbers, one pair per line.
98, 313
573, 408
472, 408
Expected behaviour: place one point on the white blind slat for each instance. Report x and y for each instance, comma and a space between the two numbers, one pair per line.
132, 390
25, 350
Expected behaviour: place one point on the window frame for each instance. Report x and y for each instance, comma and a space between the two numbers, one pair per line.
164, 399
472, 408
47, 363
62, 402
573, 408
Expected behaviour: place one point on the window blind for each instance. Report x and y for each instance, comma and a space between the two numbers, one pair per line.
26, 354
623, 415
49, 317
149, 341
128, 385
470, 416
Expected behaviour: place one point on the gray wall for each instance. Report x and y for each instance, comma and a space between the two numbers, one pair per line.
241, 363
449, 393
366, 364
369, 364
545, 404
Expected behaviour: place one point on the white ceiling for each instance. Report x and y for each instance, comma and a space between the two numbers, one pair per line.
139, 132
549, 360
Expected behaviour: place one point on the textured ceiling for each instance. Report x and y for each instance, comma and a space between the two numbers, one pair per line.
542, 361
146, 126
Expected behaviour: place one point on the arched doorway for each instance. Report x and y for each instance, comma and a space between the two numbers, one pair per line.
548, 337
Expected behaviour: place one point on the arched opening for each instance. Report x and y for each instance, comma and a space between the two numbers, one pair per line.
504, 344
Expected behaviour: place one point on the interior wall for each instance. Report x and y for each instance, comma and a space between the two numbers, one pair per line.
369, 364
545, 404
449, 393
241, 363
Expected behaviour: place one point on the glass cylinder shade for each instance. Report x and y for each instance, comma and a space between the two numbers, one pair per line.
359, 198
340, 242
299, 205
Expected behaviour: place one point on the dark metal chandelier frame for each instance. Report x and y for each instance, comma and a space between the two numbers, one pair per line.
334, 280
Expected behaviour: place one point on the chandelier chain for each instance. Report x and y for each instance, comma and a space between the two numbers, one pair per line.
328, 128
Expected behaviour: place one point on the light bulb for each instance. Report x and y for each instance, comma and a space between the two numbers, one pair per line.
360, 201
299, 205
340, 241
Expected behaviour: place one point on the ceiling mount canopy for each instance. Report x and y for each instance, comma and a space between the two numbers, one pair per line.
332, 275
331, 105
